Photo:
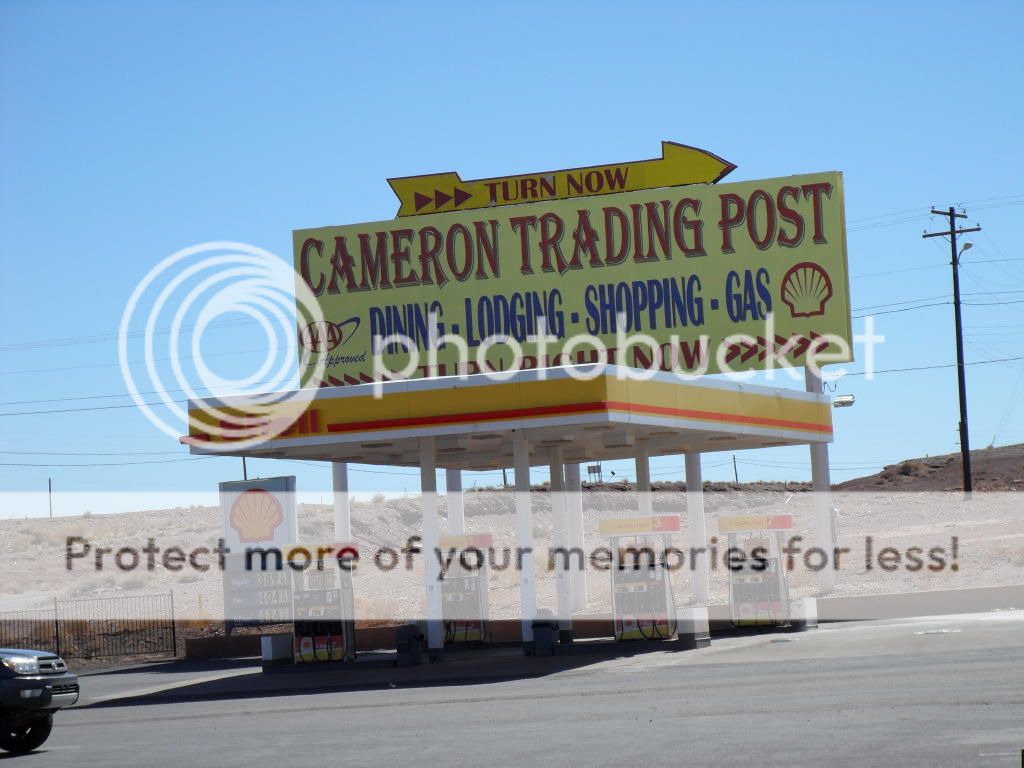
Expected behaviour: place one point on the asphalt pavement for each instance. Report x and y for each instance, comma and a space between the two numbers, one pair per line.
913, 692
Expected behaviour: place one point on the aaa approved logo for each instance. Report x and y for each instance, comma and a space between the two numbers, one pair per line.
323, 335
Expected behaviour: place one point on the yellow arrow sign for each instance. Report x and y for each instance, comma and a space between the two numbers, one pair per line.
440, 192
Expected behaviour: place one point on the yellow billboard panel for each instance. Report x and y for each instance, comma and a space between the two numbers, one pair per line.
696, 279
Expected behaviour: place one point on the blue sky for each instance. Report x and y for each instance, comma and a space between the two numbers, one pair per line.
131, 130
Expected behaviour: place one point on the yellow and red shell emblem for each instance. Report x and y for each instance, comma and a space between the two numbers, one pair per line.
806, 288
255, 515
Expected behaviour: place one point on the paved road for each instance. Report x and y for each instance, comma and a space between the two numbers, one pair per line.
935, 692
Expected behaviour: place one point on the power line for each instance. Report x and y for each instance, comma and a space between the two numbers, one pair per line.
847, 464
934, 367
992, 303
904, 309
75, 340
924, 267
898, 303
140, 362
929, 299
919, 209
325, 464
123, 394
991, 199
922, 209
880, 224
78, 410
998, 205
896, 271
160, 402
1011, 404
90, 453
108, 464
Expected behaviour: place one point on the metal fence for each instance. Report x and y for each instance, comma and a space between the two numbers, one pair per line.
106, 626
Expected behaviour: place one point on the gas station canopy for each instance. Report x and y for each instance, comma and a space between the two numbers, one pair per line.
605, 416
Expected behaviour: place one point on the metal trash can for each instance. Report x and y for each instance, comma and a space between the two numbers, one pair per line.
545, 634
409, 644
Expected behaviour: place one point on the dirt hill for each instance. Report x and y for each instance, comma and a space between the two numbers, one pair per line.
993, 469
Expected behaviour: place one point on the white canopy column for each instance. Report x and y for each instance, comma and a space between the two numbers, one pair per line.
697, 523
574, 499
563, 588
524, 534
431, 565
456, 503
645, 505
342, 510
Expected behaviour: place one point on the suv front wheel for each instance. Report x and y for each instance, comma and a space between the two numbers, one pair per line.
25, 736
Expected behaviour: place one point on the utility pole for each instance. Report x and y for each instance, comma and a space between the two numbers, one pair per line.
965, 443
49, 488
245, 470
735, 472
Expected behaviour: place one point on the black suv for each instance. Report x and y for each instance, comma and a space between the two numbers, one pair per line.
33, 685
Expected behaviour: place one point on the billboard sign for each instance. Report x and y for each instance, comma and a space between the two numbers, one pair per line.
694, 279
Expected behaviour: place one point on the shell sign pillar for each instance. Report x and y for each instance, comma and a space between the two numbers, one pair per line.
257, 516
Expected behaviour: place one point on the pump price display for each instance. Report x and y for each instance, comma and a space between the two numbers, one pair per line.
274, 615
741, 523
688, 266
255, 595
317, 595
273, 579
638, 526
273, 597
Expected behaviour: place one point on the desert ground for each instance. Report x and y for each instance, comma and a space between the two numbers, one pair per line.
914, 504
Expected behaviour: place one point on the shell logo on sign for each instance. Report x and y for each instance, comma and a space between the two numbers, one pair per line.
806, 289
256, 515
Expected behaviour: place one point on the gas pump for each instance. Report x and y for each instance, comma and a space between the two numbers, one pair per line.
464, 601
758, 586
643, 603
323, 623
